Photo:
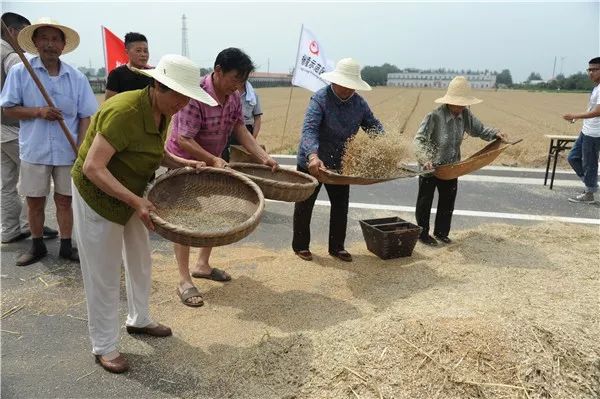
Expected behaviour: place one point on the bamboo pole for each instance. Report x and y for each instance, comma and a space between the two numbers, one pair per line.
11, 40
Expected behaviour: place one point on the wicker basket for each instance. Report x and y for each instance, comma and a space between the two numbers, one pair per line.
282, 185
328, 176
238, 153
390, 237
222, 206
481, 158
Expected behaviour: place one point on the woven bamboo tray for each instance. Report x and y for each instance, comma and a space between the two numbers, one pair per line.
328, 176
239, 154
205, 208
282, 185
481, 158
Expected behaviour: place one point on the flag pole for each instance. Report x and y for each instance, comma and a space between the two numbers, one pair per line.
291, 86
104, 49
11, 40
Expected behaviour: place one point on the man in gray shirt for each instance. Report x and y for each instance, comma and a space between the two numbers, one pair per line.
437, 142
252, 116
14, 214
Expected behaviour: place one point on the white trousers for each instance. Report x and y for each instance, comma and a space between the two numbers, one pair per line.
103, 246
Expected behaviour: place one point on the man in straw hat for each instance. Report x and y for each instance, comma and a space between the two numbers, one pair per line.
14, 215
201, 132
334, 114
45, 152
583, 157
123, 147
437, 142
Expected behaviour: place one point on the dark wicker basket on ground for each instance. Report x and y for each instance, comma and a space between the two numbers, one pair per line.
390, 237
282, 185
205, 208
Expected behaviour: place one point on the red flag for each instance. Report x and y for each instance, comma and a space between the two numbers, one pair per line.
114, 50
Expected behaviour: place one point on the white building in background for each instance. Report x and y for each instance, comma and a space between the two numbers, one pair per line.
478, 80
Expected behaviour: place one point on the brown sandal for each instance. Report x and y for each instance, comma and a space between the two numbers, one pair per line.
189, 293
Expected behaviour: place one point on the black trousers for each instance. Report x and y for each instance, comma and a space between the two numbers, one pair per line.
447, 196
339, 197
232, 141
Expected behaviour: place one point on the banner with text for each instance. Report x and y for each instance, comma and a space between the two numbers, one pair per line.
310, 62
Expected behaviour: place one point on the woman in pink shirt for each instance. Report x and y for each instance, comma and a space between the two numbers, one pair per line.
201, 132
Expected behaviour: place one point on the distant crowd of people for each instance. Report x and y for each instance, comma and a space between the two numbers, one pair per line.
171, 116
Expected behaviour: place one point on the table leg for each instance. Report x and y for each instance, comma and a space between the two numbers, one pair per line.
556, 153
548, 161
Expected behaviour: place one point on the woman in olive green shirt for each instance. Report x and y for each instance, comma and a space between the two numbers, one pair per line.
123, 147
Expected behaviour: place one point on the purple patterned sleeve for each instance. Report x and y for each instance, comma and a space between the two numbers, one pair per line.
189, 119
309, 141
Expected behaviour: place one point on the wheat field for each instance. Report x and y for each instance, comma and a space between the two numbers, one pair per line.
521, 114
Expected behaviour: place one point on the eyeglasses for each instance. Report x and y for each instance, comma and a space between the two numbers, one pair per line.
593, 69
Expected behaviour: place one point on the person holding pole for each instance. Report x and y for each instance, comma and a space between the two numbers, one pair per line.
46, 152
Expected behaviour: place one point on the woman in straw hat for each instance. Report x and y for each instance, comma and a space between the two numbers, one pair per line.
334, 114
123, 147
437, 142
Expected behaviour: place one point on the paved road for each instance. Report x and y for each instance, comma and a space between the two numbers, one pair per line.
46, 354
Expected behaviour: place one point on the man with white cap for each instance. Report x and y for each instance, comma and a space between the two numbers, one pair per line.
437, 142
123, 147
45, 152
334, 114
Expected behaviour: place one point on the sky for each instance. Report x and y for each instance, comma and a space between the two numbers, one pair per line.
519, 36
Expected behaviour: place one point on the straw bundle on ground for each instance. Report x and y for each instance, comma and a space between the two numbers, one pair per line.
373, 155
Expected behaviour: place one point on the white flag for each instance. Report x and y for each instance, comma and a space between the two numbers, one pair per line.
310, 62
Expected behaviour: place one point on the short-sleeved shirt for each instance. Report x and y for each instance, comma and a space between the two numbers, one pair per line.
209, 126
123, 79
40, 141
591, 126
127, 123
250, 109
329, 123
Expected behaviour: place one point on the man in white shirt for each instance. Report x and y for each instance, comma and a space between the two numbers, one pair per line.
584, 154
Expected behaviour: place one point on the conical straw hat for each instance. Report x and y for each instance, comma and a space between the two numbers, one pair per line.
459, 93
346, 74
25, 37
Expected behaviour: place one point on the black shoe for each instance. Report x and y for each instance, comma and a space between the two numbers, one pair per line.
20, 237
72, 255
49, 232
443, 239
30, 257
428, 240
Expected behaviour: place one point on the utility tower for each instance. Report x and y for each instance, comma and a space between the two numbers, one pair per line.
184, 39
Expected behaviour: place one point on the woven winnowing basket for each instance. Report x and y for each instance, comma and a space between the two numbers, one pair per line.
239, 154
282, 185
205, 208
328, 176
481, 158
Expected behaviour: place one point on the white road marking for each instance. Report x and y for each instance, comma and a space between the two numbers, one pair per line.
493, 215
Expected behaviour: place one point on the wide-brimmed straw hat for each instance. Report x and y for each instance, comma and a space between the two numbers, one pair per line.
180, 74
25, 37
459, 93
346, 74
